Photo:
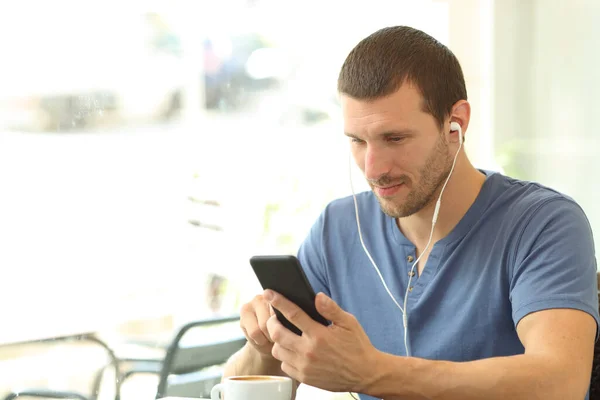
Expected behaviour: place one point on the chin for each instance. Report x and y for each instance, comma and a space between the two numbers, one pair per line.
390, 208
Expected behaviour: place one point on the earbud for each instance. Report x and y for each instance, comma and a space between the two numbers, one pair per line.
455, 126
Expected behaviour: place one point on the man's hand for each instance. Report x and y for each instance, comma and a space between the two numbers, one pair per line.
255, 357
339, 357
253, 321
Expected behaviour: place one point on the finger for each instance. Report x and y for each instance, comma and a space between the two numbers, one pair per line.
249, 325
282, 354
245, 333
330, 310
283, 336
263, 313
290, 311
292, 372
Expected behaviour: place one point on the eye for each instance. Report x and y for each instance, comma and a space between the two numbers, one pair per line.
356, 140
396, 139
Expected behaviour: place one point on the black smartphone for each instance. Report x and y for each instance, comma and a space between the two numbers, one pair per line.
285, 275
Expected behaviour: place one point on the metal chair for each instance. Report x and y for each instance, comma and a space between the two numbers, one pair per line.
46, 394
595, 380
185, 370
90, 338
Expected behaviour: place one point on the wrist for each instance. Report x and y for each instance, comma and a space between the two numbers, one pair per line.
376, 373
390, 376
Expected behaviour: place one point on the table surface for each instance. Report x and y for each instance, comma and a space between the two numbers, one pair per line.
183, 398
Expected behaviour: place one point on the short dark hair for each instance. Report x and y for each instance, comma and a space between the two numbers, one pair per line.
386, 59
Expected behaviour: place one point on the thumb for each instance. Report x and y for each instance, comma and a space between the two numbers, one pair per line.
330, 310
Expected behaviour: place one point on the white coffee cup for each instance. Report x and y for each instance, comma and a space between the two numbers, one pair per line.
253, 387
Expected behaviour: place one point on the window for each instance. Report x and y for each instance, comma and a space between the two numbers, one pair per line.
147, 151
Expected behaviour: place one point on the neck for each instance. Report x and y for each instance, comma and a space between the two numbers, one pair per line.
460, 193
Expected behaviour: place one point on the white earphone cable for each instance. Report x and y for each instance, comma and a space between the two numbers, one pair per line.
362, 241
436, 211
433, 222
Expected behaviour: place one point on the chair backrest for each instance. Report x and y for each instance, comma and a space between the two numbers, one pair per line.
595, 379
78, 377
194, 358
46, 394
190, 359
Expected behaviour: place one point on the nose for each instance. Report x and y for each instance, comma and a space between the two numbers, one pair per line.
377, 163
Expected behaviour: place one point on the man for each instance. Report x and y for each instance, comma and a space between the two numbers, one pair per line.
503, 304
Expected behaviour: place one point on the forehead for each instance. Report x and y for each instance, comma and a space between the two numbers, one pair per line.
403, 107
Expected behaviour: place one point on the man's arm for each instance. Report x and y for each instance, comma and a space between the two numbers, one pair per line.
559, 346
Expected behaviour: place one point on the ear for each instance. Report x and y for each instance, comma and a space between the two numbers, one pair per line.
461, 114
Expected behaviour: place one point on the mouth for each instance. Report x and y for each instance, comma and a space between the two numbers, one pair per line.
388, 190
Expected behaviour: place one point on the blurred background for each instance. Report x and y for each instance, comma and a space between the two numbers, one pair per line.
148, 149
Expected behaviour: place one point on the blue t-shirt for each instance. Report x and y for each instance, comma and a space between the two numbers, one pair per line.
520, 248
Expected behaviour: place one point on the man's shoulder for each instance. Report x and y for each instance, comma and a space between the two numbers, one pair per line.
518, 197
523, 210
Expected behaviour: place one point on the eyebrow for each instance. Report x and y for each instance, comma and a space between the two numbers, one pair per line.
387, 134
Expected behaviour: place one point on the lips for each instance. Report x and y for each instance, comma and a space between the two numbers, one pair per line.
388, 190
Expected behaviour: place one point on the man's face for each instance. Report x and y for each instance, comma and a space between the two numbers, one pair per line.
400, 149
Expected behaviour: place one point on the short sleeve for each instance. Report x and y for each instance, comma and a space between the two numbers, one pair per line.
555, 263
311, 257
